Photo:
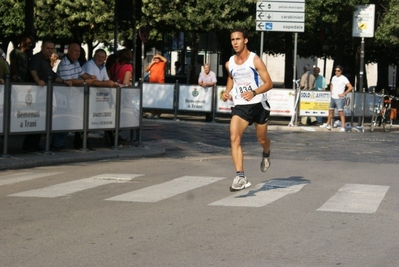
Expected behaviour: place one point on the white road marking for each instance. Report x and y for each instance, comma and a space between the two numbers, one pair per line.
121, 177
67, 188
356, 198
262, 194
166, 190
25, 176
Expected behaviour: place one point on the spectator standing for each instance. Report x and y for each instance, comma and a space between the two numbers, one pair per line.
307, 83
207, 79
339, 88
248, 81
70, 70
320, 84
122, 70
157, 75
54, 61
19, 59
40, 70
95, 67
3, 69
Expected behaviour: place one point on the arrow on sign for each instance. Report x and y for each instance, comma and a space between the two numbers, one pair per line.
260, 15
261, 6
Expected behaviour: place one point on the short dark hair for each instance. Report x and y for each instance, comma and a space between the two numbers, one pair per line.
340, 67
47, 41
100, 51
242, 30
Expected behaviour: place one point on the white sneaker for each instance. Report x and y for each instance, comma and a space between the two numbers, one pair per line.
342, 130
324, 125
328, 127
239, 183
265, 164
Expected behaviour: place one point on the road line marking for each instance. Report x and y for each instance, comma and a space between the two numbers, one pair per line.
262, 194
356, 198
166, 190
121, 177
67, 188
26, 176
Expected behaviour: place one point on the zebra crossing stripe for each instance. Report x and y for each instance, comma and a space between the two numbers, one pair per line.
166, 190
68, 188
356, 198
26, 176
262, 194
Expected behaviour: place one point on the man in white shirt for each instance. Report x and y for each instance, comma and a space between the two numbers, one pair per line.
337, 88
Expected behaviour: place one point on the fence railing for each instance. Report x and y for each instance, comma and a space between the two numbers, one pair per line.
175, 98
31, 109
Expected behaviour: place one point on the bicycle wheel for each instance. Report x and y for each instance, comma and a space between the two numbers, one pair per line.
387, 123
373, 122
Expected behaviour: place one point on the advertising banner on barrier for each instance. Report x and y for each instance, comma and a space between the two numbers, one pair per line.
102, 108
28, 108
314, 103
221, 106
67, 108
281, 102
156, 95
130, 108
1, 107
195, 98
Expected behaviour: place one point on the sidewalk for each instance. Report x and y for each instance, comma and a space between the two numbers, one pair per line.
18, 159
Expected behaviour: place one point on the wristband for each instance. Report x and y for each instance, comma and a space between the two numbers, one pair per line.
254, 92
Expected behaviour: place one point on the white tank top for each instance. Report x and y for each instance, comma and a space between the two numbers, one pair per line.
245, 78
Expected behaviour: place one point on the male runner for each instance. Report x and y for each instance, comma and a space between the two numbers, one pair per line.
248, 82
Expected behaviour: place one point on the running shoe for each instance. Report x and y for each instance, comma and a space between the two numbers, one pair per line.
265, 164
239, 183
342, 130
324, 125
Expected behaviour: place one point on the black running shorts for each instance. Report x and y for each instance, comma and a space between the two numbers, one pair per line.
252, 113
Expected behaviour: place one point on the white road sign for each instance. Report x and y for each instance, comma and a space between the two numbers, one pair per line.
280, 16
280, 6
280, 26
363, 21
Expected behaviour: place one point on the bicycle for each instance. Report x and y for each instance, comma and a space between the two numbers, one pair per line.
383, 113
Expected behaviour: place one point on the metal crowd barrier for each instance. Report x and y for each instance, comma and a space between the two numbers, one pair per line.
32, 109
176, 98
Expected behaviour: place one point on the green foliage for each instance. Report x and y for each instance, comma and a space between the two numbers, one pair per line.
12, 18
198, 16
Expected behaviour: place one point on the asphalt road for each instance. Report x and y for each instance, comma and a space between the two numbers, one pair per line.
329, 199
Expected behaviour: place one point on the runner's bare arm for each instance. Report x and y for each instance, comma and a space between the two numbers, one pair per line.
264, 74
226, 94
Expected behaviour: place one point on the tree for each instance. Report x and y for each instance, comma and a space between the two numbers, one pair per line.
194, 17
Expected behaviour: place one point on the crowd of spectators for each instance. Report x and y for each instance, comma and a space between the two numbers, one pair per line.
69, 69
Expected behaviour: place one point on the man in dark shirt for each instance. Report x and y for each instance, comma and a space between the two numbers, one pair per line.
40, 70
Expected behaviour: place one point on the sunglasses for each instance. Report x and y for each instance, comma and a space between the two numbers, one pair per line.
337, 70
